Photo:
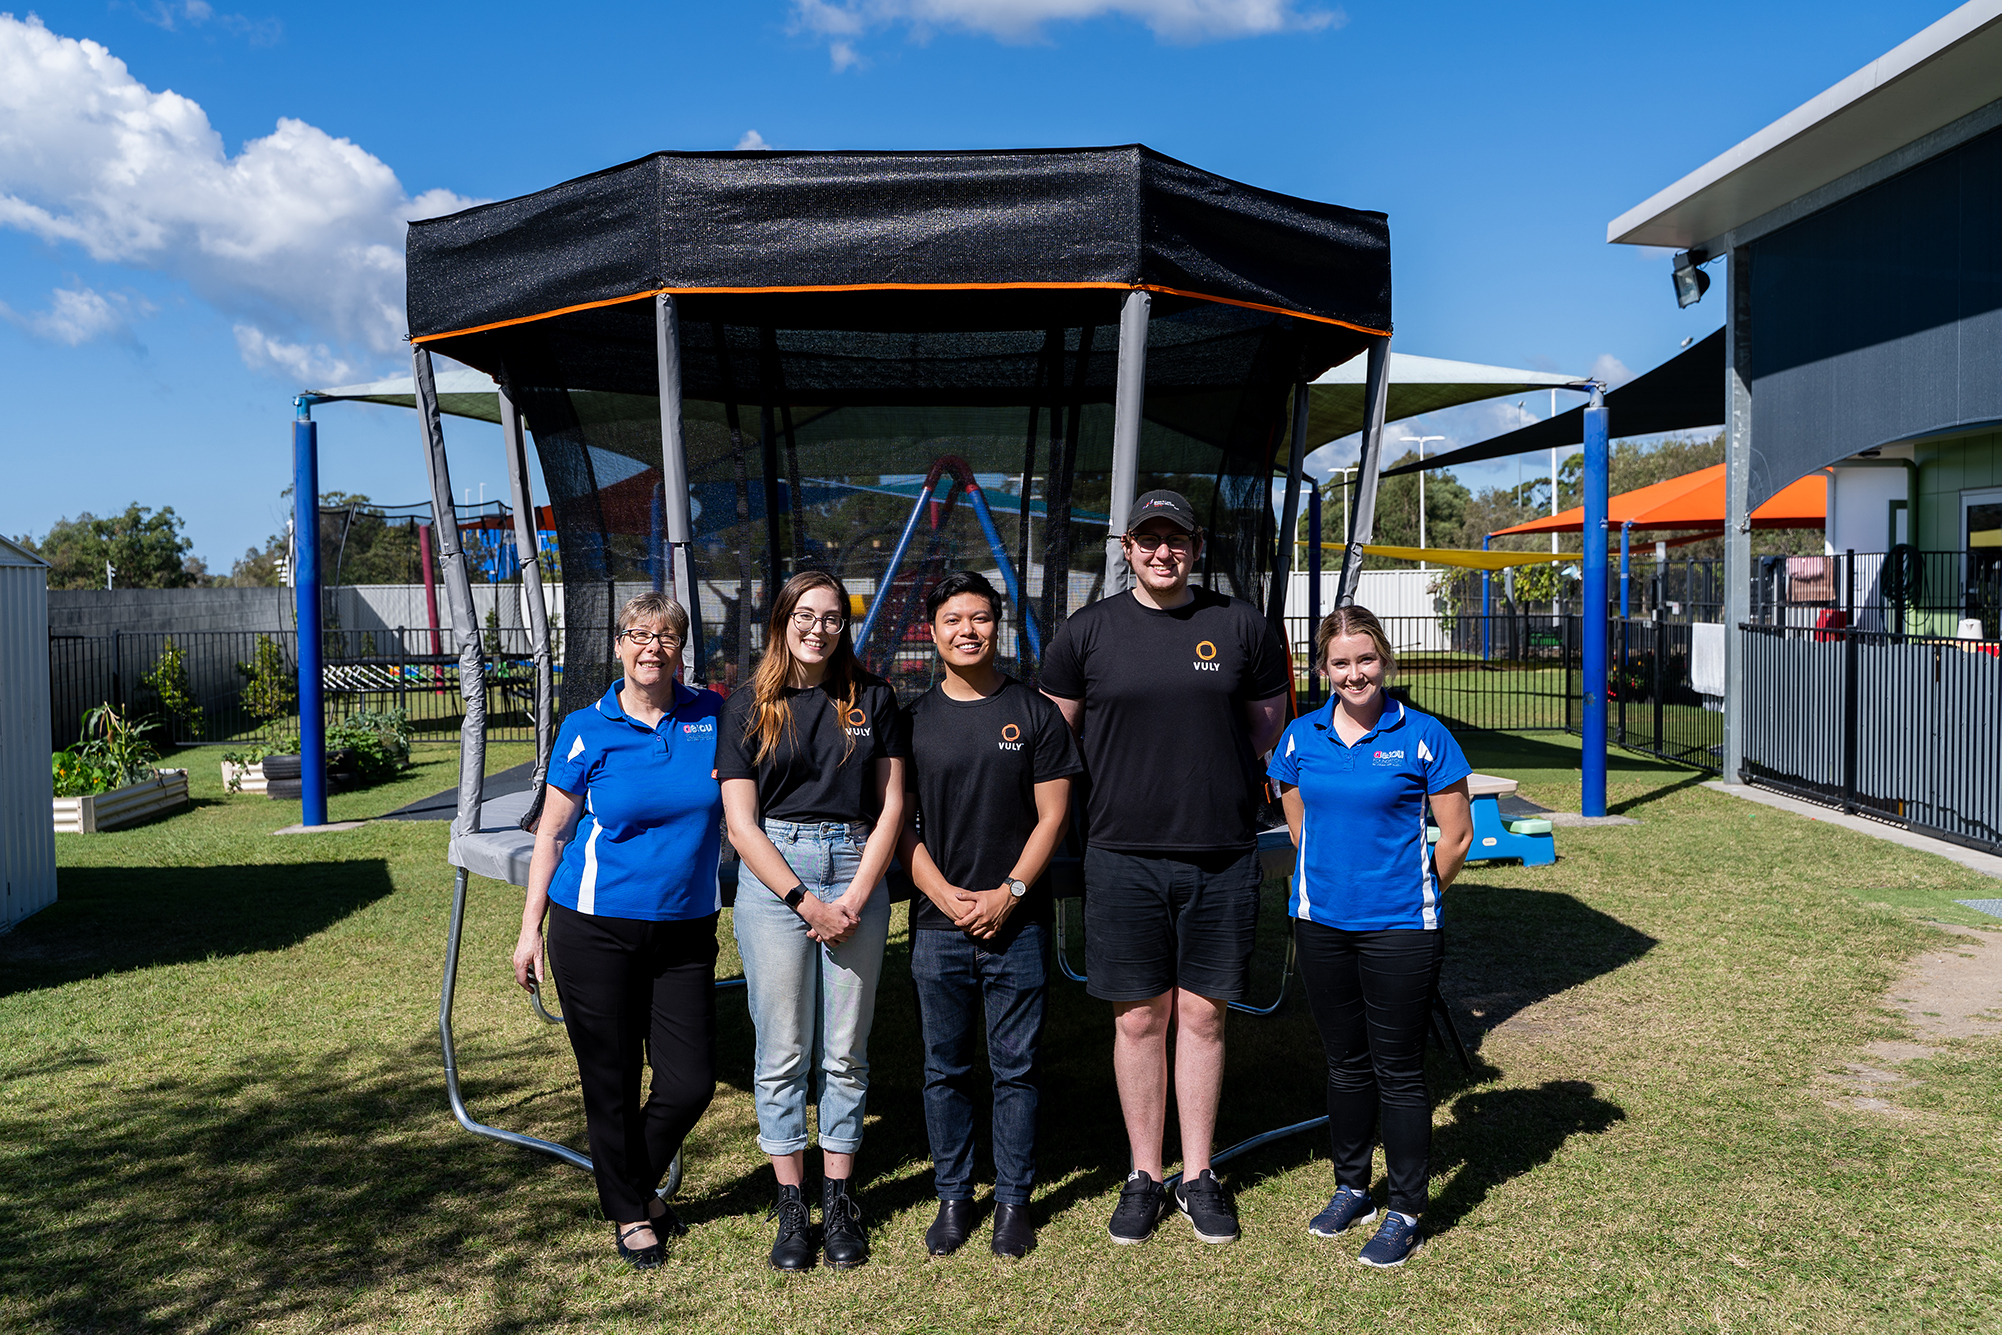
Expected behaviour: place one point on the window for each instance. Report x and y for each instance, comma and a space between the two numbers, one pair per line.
1981, 539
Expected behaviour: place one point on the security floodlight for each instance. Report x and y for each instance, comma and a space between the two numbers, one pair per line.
1690, 280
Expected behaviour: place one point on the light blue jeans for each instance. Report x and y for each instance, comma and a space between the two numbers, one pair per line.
811, 1004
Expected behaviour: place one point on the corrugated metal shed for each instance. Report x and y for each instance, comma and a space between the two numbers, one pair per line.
27, 832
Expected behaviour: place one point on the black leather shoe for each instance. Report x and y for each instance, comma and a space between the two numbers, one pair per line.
841, 1226
948, 1232
793, 1250
1014, 1235
666, 1223
639, 1258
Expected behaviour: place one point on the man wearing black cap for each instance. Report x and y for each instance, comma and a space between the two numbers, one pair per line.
1175, 692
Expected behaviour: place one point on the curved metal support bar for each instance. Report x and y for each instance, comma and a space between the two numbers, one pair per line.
1063, 943
535, 1004
1285, 983
1264, 1138
445, 993
723, 984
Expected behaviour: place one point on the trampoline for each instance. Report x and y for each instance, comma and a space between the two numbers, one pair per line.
735, 366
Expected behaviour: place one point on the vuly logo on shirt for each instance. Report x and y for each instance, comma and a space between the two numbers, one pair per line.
858, 723
1385, 757
1011, 738
1206, 658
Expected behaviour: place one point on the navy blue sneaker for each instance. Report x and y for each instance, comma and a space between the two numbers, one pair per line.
1395, 1240
1346, 1208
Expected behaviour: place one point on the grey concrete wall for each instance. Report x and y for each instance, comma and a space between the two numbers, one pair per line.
101, 611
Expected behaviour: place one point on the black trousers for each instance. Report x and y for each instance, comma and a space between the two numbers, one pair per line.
1371, 994
637, 993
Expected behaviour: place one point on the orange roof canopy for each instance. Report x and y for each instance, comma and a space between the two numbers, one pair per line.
1694, 500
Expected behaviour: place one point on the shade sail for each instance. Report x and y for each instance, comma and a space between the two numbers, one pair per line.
460, 393
1417, 385
1466, 558
1683, 393
1694, 500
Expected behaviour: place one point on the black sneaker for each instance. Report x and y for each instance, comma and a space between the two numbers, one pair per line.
1142, 1202
1203, 1199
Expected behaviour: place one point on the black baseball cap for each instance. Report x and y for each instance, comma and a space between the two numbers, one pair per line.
1169, 505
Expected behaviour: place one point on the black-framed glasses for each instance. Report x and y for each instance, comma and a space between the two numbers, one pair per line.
668, 639
1179, 543
831, 622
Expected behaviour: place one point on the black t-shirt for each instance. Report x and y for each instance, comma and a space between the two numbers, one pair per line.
974, 767
811, 775
1165, 746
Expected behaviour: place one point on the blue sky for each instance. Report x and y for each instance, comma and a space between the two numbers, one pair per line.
200, 215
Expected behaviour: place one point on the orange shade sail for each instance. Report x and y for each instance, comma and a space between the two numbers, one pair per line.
1694, 500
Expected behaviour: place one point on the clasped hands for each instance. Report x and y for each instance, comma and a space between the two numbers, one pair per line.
831, 923
980, 913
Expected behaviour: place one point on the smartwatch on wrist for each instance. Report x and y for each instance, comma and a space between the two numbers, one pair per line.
794, 897
1015, 887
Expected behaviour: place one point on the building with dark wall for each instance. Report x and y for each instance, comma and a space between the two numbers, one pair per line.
1861, 236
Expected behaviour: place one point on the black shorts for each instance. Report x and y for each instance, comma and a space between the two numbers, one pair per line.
1155, 923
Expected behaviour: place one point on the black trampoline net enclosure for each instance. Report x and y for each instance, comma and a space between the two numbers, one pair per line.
893, 365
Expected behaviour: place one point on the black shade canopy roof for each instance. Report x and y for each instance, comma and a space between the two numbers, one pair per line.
1684, 392
553, 286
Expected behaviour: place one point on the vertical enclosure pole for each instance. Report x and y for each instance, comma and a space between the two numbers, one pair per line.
1289, 528
306, 605
1313, 596
516, 444
1362, 518
426, 560
1129, 399
674, 480
1593, 765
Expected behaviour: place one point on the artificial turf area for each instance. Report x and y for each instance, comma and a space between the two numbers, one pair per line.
221, 1108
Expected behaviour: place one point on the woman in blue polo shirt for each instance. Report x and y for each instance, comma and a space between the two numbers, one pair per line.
1356, 777
625, 865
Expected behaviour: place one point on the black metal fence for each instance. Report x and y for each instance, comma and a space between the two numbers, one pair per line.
242, 685
1904, 728
1523, 672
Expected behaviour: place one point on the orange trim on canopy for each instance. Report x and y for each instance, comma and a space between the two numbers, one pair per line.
1694, 500
900, 287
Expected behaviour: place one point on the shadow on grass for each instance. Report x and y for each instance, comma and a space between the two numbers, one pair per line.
1510, 948
1499, 1134
256, 1193
113, 919
1689, 780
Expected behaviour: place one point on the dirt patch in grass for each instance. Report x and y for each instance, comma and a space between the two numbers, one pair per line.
1949, 991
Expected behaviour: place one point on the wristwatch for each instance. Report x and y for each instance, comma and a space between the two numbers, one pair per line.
1015, 887
795, 897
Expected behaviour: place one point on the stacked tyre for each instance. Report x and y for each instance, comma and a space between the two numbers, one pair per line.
283, 781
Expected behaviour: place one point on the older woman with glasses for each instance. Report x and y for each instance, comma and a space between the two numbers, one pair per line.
625, 867
812, 770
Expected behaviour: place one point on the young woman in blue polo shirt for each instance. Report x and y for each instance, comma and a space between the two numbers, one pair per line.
811, 763
625, 866
1356, 777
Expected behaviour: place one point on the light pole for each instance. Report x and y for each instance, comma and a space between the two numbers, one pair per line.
1419, 441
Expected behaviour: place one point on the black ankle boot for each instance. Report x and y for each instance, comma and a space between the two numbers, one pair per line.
793, 1250
1014, 1235
841, 1226
948, 1232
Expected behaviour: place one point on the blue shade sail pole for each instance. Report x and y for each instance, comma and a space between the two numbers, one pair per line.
1597, 464
1487, 600
1626, 575
306, 605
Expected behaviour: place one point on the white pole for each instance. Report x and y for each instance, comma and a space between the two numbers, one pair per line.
1419, 441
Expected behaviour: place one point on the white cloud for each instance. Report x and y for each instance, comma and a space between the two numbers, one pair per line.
841, 23
78, 315
751, 142
1610, 369
194, 13
316, 365
297, 237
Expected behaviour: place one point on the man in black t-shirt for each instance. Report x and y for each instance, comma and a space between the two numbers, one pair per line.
989, 772
1175, 692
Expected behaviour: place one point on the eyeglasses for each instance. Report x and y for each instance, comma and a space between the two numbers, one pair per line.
1178, 543
832, 622
668, 639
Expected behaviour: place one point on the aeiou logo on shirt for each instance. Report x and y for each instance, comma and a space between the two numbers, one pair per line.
1011, 738
1206, 658
1386, 757
706, 725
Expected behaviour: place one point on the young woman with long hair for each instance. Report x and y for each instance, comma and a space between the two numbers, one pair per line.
813, 790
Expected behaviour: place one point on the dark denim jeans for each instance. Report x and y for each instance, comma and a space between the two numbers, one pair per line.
956, 977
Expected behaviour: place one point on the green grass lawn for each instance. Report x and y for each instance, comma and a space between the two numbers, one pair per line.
221, 1108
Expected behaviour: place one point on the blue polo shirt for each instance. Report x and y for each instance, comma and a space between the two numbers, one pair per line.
1364, 864
646, 841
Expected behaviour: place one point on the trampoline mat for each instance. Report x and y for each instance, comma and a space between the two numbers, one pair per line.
443, 806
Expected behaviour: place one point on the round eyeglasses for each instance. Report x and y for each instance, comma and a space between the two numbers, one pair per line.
831, 622
668, 639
